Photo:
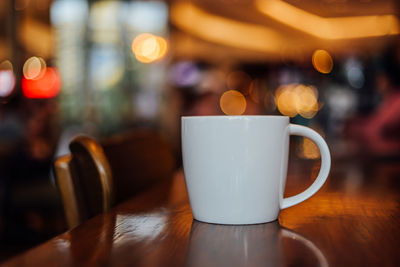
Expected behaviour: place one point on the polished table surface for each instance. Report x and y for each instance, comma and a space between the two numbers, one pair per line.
354, 220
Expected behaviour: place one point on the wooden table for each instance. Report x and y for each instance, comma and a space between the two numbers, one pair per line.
353, 221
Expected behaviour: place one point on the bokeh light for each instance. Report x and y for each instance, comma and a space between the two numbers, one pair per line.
232, 102
310, 149
354, 73
285, 98
7, 78
307, 101
47, 86
185, 73
293, 99
149, 48
322, 61
34, 68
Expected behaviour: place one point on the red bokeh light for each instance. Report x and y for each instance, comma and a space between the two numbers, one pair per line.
48, 86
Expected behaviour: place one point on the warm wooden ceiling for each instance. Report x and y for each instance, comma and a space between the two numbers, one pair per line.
297, 43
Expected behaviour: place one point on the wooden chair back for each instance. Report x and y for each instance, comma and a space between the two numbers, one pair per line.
95, 177
85, 180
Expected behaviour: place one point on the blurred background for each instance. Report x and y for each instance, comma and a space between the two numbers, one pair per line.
103, 67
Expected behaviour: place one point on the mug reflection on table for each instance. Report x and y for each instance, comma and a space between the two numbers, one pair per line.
250, 245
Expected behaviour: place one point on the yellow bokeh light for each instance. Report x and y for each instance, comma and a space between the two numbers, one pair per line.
286, 100
307, 101
322, 61
139, 40
293, 99
34, 68
232, 102
149, 48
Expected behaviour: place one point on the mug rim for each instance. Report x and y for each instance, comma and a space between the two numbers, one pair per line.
234, 117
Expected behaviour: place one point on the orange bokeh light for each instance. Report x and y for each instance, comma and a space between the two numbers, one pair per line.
149, 48
286, 103
47, 86
232, 102
293, 99
322, 61
310, 149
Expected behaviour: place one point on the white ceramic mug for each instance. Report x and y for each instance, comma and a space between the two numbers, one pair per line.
235, 167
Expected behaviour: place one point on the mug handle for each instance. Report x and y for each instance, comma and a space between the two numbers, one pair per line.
323, 172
